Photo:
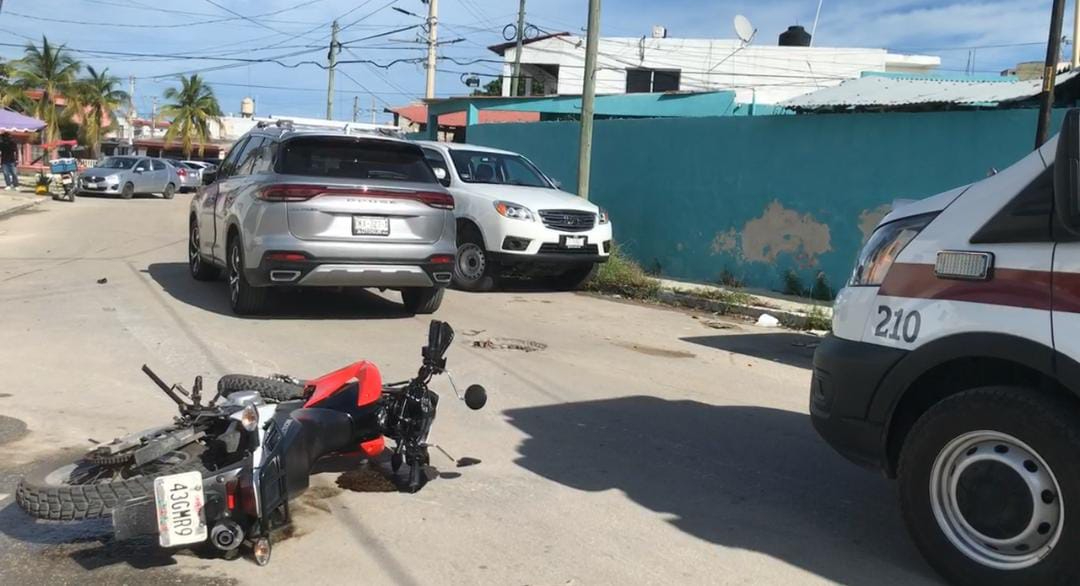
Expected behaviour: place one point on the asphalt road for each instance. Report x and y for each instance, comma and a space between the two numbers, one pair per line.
640, 446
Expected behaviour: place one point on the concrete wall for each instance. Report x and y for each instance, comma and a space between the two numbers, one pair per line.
758, 196
758, 72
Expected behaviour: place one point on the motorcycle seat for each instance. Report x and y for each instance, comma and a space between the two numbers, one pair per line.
323, 431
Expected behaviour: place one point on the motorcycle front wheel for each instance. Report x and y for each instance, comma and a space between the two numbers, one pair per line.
89, 489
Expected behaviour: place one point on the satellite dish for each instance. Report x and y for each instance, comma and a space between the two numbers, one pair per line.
743, 29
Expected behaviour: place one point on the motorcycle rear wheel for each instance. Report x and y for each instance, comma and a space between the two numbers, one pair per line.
65, 494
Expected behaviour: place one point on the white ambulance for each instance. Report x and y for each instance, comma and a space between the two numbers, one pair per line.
954, 367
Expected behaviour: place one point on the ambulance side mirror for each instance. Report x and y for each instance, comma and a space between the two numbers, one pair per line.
1067, 173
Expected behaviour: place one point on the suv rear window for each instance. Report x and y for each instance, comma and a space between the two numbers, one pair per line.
354, 158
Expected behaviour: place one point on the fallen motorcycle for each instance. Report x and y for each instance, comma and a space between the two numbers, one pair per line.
224, 472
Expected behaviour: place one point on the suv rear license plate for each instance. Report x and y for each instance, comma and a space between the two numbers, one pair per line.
180, 515
370, 226
575, 241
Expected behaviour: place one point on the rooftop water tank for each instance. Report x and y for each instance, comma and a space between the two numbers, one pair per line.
247, 108
795, 36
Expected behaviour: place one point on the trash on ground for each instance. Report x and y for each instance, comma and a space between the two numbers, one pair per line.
767, 321
509, 344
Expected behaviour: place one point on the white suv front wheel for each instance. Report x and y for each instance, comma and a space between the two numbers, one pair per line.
473, 269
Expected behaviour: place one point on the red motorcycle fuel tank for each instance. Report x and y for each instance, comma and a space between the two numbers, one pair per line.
368, 389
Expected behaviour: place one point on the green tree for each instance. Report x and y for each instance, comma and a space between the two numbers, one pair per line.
95, 99
52, 71
192, 108
11, 95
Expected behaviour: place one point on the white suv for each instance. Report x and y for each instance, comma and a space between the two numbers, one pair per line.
513, 218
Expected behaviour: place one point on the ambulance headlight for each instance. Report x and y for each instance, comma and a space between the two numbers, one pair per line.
886, 243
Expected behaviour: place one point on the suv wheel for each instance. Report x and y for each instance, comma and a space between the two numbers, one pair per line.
473, 270
421, 300
243, 298
170, 190
990, 488
576, 278
199, 268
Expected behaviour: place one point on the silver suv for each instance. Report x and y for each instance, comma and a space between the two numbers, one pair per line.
294, 206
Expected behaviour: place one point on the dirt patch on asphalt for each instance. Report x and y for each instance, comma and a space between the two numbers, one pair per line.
653, 351
509, 344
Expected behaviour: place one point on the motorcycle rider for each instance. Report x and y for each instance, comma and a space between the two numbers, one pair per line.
9, 160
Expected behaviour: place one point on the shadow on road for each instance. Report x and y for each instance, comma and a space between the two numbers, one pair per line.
284, 304
746, 477
783, 347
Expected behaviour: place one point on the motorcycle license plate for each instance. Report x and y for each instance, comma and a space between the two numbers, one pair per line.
370, 226
180, 515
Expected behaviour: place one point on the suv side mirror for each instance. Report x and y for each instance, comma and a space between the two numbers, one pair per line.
1067, 173
556, 183
208, 176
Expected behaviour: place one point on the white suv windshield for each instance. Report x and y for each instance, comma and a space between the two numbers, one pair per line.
498, 168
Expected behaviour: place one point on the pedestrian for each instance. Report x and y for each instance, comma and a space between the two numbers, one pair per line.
9, 160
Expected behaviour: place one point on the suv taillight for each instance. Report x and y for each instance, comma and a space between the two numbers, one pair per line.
294, 192
181, 172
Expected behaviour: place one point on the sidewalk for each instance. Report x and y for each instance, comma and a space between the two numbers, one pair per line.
793, 312
12, 202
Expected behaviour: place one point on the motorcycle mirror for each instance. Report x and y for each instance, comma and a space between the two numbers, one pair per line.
440, 336
475, 397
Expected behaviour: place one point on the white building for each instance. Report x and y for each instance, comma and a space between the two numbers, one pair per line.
756, 72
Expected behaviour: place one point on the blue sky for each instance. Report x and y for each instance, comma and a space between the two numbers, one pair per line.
211, 27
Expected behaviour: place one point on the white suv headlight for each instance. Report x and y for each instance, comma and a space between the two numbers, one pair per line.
603, 216
514, 211
884, 246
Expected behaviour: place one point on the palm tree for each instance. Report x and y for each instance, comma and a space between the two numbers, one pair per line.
192, 108
11, 95
95, 99
51, 70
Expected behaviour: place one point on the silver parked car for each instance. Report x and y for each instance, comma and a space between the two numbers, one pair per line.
323, 207
189, 179
127, 175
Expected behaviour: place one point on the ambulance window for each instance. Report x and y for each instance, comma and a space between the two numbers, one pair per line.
1024, 219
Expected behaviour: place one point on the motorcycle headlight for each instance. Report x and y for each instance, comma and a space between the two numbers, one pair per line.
603, 216
514, 211
884, 246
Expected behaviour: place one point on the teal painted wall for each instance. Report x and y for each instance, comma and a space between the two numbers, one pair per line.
758, 196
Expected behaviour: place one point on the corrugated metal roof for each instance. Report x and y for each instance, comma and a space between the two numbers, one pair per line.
900, 91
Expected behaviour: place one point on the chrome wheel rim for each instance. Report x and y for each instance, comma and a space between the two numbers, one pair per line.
234, 274
470, 261
194, 258
996, 500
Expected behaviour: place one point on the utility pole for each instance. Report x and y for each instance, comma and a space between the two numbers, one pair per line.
373, 108
355, 107
432, 41
1053, 54
153, 116
515, 85
588, 97
335, 48
1076, 33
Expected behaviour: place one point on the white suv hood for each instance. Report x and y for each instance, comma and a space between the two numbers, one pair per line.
534, 198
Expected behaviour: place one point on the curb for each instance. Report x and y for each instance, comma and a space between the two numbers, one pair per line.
20, 207
788, 319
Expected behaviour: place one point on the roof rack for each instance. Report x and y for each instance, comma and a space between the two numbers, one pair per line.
291, 125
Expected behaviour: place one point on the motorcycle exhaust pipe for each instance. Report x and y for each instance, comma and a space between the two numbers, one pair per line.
226, 536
